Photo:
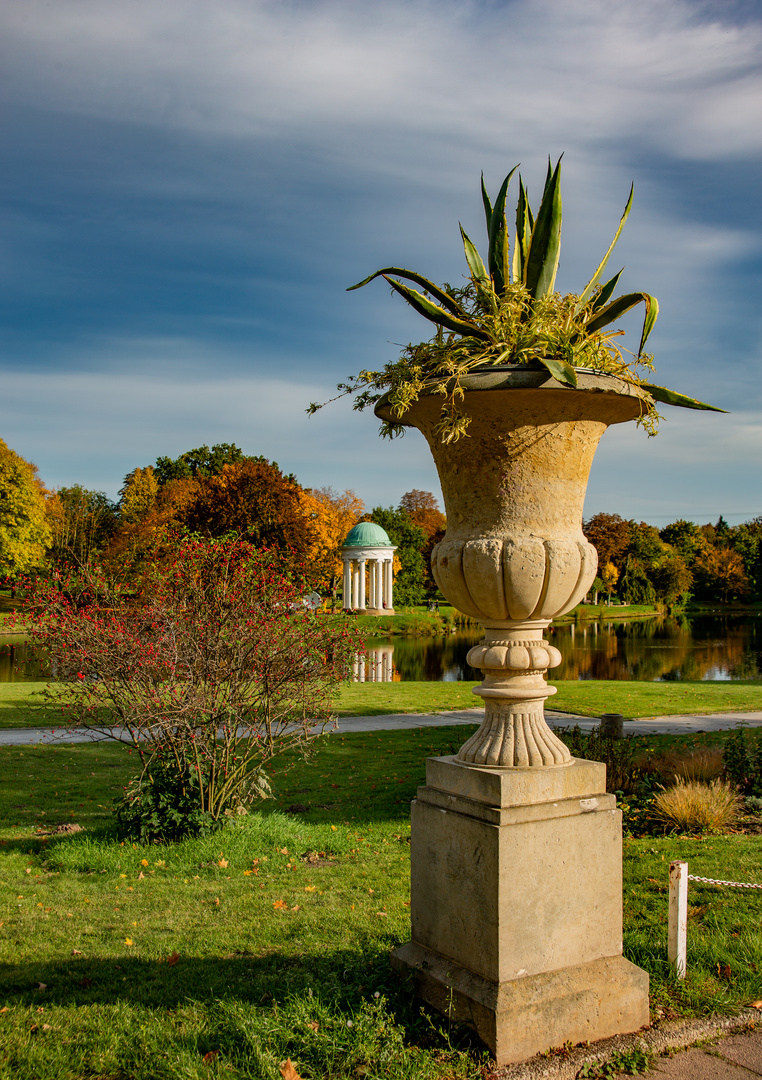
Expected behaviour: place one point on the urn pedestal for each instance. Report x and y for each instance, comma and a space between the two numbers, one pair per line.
516, 852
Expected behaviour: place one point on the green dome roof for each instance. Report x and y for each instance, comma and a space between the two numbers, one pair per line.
368, 534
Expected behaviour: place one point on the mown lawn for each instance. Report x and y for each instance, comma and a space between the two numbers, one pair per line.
225, 955
22, 704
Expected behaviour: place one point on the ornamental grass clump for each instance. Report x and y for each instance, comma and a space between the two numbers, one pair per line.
210, 668
508, 313
693, 807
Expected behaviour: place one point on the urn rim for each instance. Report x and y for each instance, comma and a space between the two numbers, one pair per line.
524, 377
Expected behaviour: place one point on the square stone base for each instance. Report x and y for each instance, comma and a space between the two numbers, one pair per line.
516, 906
528, 1016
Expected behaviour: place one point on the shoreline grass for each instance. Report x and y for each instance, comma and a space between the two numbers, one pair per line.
270, 939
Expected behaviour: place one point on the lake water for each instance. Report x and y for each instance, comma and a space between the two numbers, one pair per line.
658, 649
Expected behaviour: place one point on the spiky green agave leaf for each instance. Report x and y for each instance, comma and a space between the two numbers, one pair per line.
487, 204
437, 314
443, 298
604, 295
671, 397
622, 304
524, 225
475, 264
498, 238
545, 241
588, 290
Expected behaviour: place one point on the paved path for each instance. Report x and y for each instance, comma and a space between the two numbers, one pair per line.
657, 725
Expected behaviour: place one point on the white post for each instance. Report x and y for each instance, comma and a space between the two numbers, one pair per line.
361, 594
678, 916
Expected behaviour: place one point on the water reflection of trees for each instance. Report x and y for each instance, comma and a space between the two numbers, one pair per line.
18, 661
661, 648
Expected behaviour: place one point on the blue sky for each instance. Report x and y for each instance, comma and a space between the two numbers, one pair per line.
188, 188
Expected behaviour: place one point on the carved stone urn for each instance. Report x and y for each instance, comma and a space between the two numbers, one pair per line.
514, 555
516, 847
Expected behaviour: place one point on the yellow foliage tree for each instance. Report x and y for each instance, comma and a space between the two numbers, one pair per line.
331, 516
24, 530
138, 494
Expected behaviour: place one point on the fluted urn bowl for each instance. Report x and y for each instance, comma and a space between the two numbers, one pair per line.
514, 555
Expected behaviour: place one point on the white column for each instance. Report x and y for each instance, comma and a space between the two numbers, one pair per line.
347, 599
355, 584
389, 583
371, 583
361, 594
376, 599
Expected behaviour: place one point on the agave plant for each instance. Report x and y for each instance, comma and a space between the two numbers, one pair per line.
509, 313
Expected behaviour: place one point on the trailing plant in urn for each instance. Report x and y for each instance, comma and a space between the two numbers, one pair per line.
508, 313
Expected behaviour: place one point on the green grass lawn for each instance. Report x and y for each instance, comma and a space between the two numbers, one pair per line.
223, 956
22, 703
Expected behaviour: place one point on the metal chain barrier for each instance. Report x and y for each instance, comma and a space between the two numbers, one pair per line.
733, 884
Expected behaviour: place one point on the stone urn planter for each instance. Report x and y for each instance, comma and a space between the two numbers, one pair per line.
516, 871
514, 555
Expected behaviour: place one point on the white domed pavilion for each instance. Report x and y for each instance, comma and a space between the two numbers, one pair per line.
368, 549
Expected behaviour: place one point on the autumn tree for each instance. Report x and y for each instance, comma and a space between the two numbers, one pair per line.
138, 494
24, 528
610, 536
254, 500
423, 510
720, 575
330, 516
81, 523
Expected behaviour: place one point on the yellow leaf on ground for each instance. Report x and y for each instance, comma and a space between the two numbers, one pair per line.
128, 941
755, 1005
310, 888
287, 1070
223, 863
280, 905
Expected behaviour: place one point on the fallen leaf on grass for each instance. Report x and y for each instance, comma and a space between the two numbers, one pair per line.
4, 1009
42, 986
287, 1070
172, 959
280, 905
283, 851
723, 970
310, 888
209, 1056
128, 941
223, 863
77, 952
141, 876
313, 1024
755, 1005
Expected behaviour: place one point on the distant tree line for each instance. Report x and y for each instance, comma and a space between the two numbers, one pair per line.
640, 564
213, 493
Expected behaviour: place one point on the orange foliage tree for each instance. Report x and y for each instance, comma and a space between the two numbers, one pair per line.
330, 516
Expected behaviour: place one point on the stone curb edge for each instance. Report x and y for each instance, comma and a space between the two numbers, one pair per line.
663, 1036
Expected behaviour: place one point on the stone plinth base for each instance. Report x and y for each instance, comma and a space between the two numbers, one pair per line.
376, 611
516, 906
528, 1016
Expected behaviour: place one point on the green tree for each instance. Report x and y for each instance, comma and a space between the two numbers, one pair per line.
747, 542
410, 540
24, 529
686, 538
200, 462
634, 585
